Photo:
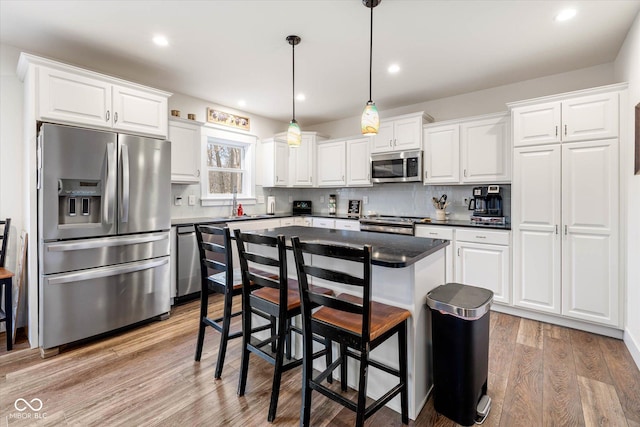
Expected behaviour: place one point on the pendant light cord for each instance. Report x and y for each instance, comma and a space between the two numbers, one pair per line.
370, 53
293, 86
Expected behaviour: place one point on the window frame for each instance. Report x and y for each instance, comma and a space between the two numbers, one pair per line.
247, 143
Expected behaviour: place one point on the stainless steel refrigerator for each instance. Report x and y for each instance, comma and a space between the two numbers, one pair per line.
103, 231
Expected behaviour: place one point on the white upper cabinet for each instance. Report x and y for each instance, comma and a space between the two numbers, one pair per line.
71, 95
186, 140
470, 150
358, 162
302, 162
485, 150
578, 119
275, 155
331, 157
285, 166
400, 133
441, 154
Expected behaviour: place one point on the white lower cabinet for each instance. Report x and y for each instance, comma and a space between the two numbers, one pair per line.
487, 265
323, 223
444, 233
347, 224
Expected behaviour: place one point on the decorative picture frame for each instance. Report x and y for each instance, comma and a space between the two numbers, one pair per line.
354, 208
227, 119
637, 168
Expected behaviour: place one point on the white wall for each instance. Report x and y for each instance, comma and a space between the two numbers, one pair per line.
484, 101
11, 152
627, 68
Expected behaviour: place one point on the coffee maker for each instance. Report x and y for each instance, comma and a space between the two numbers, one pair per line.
486, 205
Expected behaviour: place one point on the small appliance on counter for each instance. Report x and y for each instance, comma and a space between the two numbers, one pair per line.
486, 205
301, 207
332, 204
271, 205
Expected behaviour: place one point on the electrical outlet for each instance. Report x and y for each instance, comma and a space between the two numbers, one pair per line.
192, 200
260, 199
365, 200
178, 201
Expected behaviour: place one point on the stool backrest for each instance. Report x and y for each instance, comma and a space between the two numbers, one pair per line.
334, 254
214, 246
4, 239
265, 251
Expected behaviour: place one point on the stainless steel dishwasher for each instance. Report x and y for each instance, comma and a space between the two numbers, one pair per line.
188, 261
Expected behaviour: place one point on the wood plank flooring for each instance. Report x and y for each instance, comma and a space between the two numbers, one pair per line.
539, 375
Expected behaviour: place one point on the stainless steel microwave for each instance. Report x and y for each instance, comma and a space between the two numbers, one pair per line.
400, 166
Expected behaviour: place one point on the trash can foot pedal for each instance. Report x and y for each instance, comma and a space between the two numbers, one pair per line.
483, 408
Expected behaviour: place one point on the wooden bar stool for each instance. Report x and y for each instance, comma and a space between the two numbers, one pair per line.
6, 282
277, 298
352, 322
217, 275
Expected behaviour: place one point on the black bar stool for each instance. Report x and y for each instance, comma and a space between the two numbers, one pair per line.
217, 275
354, 323
277, 298
6, 282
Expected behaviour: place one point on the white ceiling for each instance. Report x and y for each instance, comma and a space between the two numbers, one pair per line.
224, 51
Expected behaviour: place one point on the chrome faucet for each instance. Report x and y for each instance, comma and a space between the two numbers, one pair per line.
234, 207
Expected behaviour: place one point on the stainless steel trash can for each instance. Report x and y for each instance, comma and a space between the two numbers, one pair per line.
460, 342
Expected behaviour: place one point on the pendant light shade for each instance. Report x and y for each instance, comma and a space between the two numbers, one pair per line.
294, 135
370, 121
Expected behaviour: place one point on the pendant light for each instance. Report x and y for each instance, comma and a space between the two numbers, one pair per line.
294, 135
370, 121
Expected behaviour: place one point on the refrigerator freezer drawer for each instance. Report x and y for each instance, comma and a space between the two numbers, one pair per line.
73, 255
85, 303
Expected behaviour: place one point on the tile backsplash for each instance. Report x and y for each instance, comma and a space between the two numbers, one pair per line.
408, 199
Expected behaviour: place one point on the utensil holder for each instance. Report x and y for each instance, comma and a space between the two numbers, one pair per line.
440, 215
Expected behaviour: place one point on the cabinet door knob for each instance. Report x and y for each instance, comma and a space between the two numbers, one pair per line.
425, 174
390, 143
108, 115
565, 130
556, 130
556, 228
565, 229
198, 172
115, 117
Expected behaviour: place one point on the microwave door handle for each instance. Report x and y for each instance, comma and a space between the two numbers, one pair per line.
124, 194
110, 181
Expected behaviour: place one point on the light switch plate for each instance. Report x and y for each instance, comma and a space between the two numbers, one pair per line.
192, 200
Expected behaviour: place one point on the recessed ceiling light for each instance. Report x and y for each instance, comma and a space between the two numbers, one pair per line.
242, 103
160, 40
565, 15
301, 97
393, 68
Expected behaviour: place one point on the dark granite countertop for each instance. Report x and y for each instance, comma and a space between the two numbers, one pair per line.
388, 250
210, 220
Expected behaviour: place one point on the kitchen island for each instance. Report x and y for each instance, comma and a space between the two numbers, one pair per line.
404, 270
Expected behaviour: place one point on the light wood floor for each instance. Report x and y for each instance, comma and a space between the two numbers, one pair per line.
539, 374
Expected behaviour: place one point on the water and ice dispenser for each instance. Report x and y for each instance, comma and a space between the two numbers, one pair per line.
79, 201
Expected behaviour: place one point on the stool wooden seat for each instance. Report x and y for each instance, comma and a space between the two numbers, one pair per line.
354, 323
277, 298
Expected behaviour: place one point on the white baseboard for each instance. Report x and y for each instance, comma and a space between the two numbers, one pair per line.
559, 320
633, 346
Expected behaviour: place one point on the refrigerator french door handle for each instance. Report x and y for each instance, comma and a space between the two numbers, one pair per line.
109, 199
124, 194
102, 243
101, 272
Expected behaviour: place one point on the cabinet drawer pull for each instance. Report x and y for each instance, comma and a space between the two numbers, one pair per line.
556, 130
556, 228
481, 237
565, 230
433, 233
565, 130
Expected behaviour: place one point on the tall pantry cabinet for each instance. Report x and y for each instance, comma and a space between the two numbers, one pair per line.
565, 205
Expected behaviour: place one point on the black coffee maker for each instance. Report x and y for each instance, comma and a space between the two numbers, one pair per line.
486, 201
